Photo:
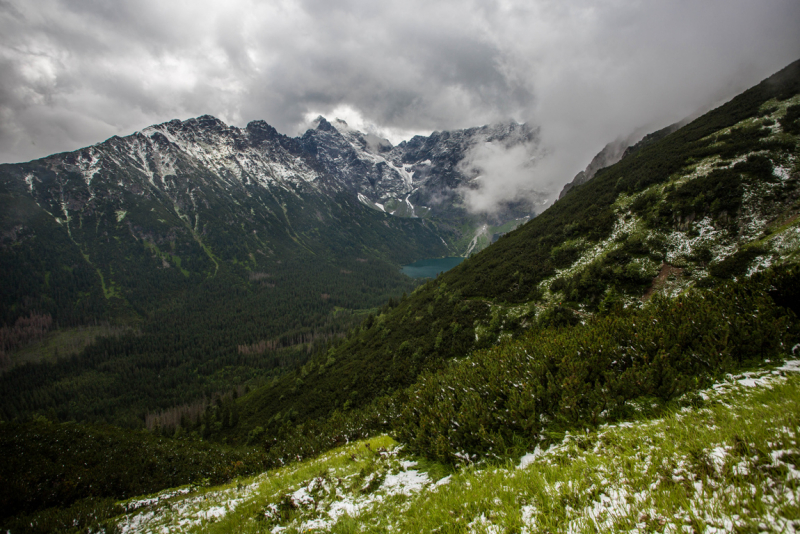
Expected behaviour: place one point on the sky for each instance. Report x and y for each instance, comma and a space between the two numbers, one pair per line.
75, 72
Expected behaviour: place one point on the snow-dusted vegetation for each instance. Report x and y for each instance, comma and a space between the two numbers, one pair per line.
724, 459
693, 222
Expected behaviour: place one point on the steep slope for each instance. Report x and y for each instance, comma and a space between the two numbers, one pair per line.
715, 200
615, 151
725, 461
611, 153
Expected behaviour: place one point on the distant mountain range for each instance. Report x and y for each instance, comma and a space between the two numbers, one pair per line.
214, 193
211, 193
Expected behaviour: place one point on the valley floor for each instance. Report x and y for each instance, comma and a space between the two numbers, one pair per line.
728, 461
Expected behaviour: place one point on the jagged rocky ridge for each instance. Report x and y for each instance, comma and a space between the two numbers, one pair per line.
214, 192
333, 157
418, 178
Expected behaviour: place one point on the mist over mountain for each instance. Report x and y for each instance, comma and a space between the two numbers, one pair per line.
615, 151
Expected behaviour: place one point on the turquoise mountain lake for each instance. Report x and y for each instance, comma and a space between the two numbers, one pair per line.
430, 268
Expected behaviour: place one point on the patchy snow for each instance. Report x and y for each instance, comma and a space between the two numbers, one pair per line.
406, 483
707, 499
151, 501
783, 173
483, 526
680, 245
29, 180
222, 152
529, 514
717, 456
787, 242
89, 164
443, 482
318, 503
531, 457
625, 224
184, 508
410, 205
792, 366
758, 209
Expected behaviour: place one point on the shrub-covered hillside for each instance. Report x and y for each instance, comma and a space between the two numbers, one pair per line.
716, 200
724, 462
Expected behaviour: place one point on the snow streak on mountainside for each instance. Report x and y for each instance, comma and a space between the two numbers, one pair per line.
423, 176
255, 154
420, 177
184, 163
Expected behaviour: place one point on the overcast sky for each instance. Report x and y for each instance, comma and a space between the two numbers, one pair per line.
75, 72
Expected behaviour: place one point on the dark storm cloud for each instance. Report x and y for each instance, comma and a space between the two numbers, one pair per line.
75, 72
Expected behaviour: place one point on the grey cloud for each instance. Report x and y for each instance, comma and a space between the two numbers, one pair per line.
75, 72
501, 174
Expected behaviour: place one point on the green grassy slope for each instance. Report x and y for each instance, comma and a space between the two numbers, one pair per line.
724, 460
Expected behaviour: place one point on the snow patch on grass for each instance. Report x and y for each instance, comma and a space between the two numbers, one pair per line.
684, 472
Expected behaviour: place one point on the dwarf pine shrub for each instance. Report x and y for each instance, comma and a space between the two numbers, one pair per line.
551, 379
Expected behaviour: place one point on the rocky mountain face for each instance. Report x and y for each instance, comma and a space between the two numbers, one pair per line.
437, 164
422, 177
176, 200
356, 161
611, 153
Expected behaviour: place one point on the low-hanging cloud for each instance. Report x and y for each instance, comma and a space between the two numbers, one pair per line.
74, 72
500, 173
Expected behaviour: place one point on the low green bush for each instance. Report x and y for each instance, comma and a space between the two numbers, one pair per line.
502, 400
